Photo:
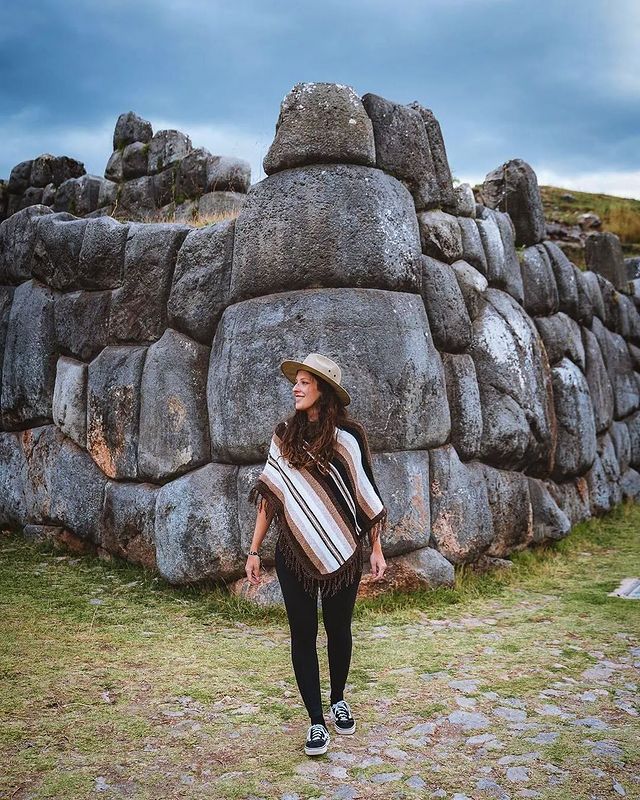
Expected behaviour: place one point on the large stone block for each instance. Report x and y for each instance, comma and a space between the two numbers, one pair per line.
196, 526
603, 479
513, 188
174, 428
200, 286
166, 148
17, 239
461, 520
518, 421
493, 249
615, 353
326, 226
380, 339
472, 247
539, 283
464, 404
633, 424
421, 569
440, 236
321, 123
566, 282
139, 307
70, 399
6, 299
113, 410
597, 376
562, 337
446, 310
219, 206
48, 169
191, 174
402, 148
82, 323
621, 439
113, 170
30, 355
511, 511
134, 160
603, 254
592, 288
630, 485
473, 285
20, 177
438, 156
228, 174
572, 498
576, 448
137, 198
131, 128
78, 196
127, 526
549, 520
512, 269
13, 476
101, 260
56, 253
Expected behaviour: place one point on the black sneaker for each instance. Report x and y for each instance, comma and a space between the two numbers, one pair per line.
342, 717
317, 740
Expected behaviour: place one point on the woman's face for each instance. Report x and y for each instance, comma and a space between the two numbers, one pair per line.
305, 390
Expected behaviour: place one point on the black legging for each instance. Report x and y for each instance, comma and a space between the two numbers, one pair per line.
302, 611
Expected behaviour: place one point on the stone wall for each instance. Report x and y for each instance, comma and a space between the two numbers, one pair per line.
500, 385
148, 177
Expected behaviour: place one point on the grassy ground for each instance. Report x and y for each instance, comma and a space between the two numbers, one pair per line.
114, 683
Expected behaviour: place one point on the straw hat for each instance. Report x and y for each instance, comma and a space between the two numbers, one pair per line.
321, 366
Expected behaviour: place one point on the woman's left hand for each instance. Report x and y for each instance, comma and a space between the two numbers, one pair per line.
378, 564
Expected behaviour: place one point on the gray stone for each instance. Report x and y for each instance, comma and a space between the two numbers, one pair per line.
469, 720
29, 367
472, 247
493, 249
540, 289
600, 387
633, 425
446, 310
131, 128
615, 354
127, 528
113, 170
576, 444
107, 197
70, 399
165, 148
584, 313
20, 177
81, 321
174, 429
634, 352
137, 198
321, 123
603, 479
515, 387
592, 288
196, 526
228, 174
78, 196
512, 269
439, 157
17, 239
630, 485
549, 521
247, 476
13, 501
562, 337
266, 593
217, 206
326, 226
510, 507
402, 148
610, 302
186, 212
489, 787
101, 259
473, 285
32, 197
464, 404
56, 252
134, 160
48, 194
138, 308
428, 567
513, 188
163, 189
629, 318
200, 288
572, 498
518, 774
464, 200
389, 331
440, 236
621, 439
564, 274
6, 298
191, 174
603, 254
113, 409
461, 522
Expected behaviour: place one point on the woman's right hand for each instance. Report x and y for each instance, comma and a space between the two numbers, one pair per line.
252, 568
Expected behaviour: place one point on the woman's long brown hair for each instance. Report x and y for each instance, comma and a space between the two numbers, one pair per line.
331, 413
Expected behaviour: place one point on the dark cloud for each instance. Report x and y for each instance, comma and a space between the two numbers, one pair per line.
505, 78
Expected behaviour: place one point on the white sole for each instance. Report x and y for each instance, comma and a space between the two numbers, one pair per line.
345, 732
317, 751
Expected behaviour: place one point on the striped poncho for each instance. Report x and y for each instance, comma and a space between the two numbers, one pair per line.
323, 515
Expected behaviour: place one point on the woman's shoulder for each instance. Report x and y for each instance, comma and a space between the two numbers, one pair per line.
356, 429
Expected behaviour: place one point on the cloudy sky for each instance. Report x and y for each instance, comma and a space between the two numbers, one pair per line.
556, 82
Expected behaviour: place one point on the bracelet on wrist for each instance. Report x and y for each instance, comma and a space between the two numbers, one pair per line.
254, 553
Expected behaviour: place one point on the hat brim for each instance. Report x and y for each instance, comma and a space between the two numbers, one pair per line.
289, 369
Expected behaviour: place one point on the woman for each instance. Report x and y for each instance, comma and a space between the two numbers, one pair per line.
318, 484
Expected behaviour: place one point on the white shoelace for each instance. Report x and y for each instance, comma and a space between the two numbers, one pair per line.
316, 731
341, 710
